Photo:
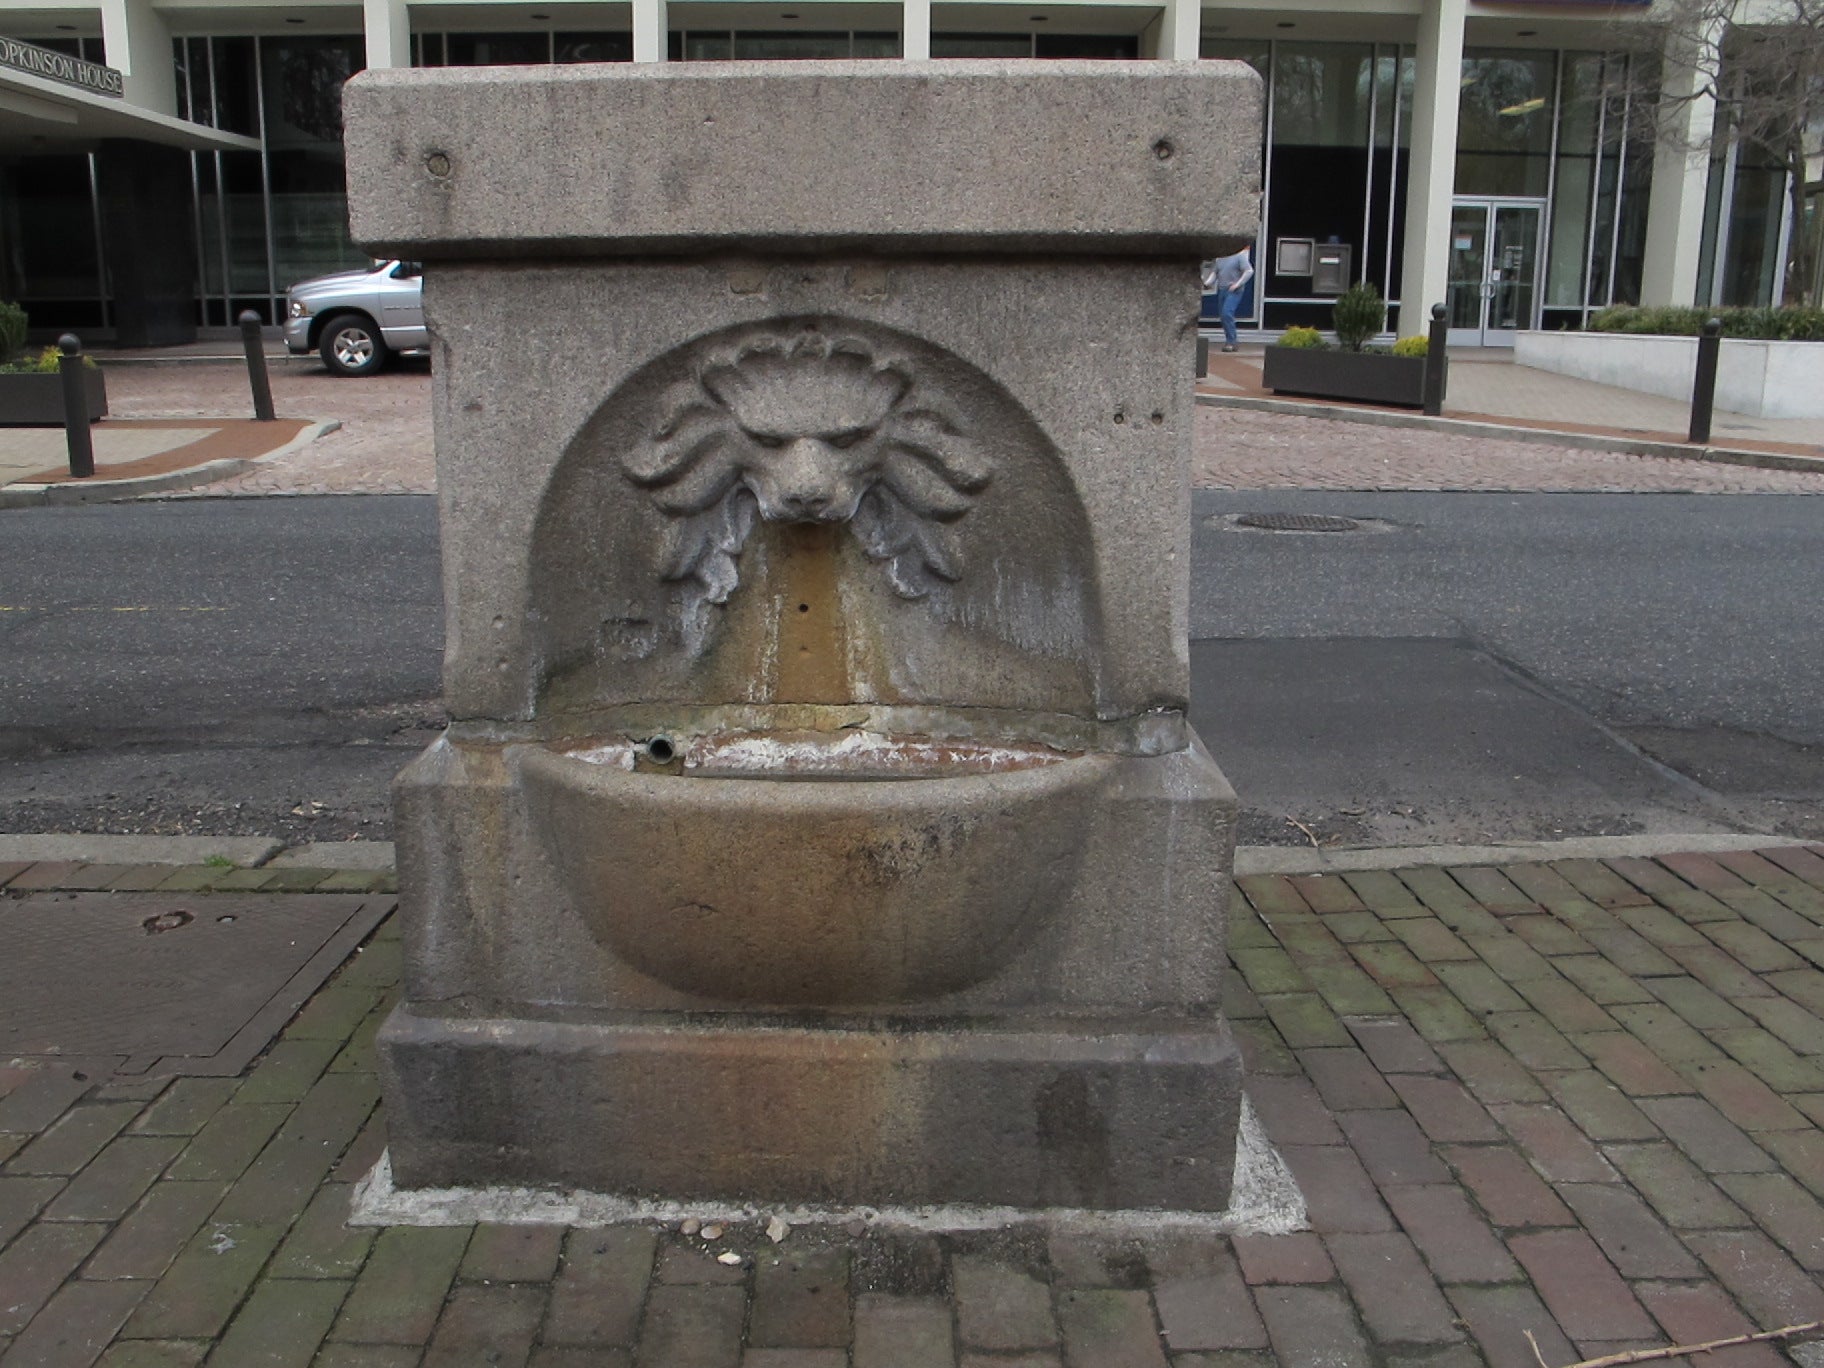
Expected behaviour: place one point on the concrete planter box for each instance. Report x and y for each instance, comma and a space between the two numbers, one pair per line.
1761, 379
36, 400
1364, 376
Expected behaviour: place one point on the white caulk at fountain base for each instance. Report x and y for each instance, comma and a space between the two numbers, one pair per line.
841, 754
1264, 1199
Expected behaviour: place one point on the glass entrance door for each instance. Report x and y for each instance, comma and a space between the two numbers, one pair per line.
1493, 286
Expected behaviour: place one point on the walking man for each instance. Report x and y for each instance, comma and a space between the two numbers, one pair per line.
1228, 275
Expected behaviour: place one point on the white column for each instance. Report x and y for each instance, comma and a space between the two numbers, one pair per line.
139, 46
389, 33
649, 30
1437, 88
915, 31
1681, 175
1179, 29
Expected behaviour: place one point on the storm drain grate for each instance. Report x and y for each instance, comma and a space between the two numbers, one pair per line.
1297, 522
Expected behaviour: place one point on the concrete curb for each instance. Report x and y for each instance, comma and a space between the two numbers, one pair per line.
236, 357
375, 857
243, 851
248, 852
1302, 860
109, 491
1464, 427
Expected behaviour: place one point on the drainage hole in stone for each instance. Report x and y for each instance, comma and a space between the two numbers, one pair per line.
660, 750
804, 607
167, 921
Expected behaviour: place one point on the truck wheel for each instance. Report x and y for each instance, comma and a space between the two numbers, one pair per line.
352, 345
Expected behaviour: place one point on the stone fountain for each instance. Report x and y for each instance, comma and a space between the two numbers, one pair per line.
818, 820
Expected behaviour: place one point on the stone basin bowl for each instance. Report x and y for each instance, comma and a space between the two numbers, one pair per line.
815, 871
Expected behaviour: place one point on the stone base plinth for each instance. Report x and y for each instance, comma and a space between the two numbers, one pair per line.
1058, 1112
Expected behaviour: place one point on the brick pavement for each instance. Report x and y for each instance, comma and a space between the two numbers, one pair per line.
384, 445
1581, 1099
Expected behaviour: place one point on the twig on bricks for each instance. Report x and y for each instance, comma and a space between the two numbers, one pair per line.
1676, 1350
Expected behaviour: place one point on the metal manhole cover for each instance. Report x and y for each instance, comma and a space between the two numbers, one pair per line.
192, 983
1297, 522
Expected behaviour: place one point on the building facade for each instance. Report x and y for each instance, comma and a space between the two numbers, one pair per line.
1483, 153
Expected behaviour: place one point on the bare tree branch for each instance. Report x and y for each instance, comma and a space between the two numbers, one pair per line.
1678, 1350
1747, 72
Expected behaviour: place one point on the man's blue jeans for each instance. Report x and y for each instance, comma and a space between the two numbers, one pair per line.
1231, 301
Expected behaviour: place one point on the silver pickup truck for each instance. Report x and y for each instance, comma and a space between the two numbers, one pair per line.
356, 320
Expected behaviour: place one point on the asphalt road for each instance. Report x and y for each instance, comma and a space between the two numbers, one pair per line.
1464, 667
1514, 666
220, 666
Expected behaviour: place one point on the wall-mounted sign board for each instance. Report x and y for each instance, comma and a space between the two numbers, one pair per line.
58, 66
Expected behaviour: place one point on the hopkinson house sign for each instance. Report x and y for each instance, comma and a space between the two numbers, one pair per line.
58, 66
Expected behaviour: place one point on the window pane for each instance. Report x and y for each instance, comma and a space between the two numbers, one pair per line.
236, 103
1754, 229
246, 215
48, 226
595, 47
304, 77
1319, 159
499, 49
981, 45
874, 45
1387, 178
1575, 189
1631, 241
303, 87
1093, 45
763, 46
1252, 51
1504, 123
1320, 94
1386, 95
208, 222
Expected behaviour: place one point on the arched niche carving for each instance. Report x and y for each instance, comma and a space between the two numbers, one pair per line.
813, 510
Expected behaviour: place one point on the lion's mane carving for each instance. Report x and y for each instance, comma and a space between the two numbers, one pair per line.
807, 428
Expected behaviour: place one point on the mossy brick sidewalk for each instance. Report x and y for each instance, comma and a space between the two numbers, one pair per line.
1581, 1099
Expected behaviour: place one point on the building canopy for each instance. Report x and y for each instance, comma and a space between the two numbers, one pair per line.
52, 103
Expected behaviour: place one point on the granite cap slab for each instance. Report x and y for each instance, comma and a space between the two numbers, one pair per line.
1095, 158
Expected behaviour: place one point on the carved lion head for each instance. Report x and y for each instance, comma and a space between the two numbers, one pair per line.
809, 428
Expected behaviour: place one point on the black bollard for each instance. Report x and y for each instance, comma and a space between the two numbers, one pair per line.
1703, 384
1436, 362
75, 407
1203, 356
256, 365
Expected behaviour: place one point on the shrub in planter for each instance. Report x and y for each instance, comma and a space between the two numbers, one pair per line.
46, 361
12, 331
1417, 345
1302, 364
1360, 314
31, 390
1789, 324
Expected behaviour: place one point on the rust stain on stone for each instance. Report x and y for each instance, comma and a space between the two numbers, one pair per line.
813, 654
